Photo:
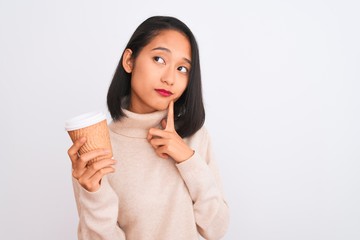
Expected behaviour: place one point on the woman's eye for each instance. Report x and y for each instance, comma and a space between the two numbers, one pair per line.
159, 60
183, 69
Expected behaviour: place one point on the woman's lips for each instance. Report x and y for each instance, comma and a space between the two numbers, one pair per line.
164, 93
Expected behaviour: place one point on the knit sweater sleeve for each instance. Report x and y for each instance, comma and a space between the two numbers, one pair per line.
97, 212
202, 179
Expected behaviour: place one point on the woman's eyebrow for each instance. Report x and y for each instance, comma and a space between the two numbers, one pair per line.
168, 50
162, 49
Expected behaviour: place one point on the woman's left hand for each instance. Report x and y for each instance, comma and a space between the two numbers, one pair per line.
167, 142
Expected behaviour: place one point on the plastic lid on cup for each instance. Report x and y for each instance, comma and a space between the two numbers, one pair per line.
84, 120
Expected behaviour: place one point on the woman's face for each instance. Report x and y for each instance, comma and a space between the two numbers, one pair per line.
160, 72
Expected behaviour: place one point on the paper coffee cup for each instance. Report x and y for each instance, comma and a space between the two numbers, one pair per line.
93, 126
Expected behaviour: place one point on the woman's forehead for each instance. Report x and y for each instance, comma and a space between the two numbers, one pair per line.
173, 40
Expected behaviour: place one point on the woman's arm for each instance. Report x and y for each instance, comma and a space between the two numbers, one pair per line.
96, 201
98, 212
202, 179
197, 167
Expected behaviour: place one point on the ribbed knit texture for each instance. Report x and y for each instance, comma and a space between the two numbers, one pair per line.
151, 198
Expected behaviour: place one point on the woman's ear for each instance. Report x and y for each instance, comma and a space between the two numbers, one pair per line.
127, 60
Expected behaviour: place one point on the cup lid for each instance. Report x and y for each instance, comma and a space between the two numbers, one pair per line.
84, 120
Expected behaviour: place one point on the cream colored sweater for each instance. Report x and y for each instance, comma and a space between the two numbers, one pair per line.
151, 198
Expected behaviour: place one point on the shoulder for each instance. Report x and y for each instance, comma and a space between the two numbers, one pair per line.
200, 138
201, 133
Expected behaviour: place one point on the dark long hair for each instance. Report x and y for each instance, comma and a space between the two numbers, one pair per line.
189, 109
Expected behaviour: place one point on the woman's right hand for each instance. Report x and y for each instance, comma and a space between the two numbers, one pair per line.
89, 176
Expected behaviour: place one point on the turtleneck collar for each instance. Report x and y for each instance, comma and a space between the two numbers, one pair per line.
137, 125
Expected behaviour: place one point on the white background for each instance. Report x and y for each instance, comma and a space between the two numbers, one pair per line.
282, 91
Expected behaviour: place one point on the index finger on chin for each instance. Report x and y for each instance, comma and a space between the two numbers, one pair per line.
170, 125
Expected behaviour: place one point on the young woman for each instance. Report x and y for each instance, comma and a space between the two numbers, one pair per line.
164, 183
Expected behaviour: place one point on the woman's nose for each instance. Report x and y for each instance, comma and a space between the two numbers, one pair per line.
168, 77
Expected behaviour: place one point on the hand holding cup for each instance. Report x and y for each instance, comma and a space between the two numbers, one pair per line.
89, 175
91, 151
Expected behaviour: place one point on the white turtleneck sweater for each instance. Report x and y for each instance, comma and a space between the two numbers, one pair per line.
151, 198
